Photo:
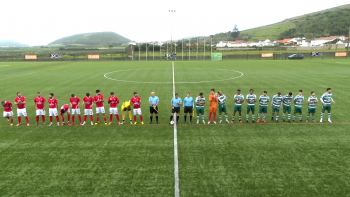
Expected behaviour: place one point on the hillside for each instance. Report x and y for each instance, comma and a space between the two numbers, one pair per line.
92, 39
11, 43
330, 22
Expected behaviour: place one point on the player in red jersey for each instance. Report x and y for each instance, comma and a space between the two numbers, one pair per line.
64, 109
113, 109
39, 103
53, 109
99, 99
88, 102
74, 103
21, 101
136, 103
7, 111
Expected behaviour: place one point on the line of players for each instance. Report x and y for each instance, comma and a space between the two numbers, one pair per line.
278, 102
88, 102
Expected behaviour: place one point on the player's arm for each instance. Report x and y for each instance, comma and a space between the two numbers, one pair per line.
157, 103
83, 102
332, 100
172, 104
309, 100
25, 101
242, 99
295, 100
103, 99
323, 100
35, 105
117, 100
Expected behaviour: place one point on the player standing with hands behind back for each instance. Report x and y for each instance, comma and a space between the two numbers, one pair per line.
153, 101
239, 99
99, 99
136, 103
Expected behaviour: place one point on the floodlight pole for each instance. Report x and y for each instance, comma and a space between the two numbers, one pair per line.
204, 48
153, 51
197, 50
189, 49
347, 49
139, 51
146, 52
211, 46
182, 48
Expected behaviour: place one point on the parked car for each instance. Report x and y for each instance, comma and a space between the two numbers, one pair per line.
296, 56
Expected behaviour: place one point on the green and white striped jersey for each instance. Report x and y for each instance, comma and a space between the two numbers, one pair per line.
264, 100
222, 99
277, 100
327, 98
312, 99
251, 99
287, 101
299, 101
199, 99
239, 102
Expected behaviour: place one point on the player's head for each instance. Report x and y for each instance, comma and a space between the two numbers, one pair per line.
98, 92
201, 94
176, 95
18, 94
38, 94
72, 95
265, 93
50, 95
62, 111
300, 92
2, 103
220, 92
251, 91
135, 94
153, 94
212, 91
188, 94
290, 93
112, 93
238, 91
278, 93
313, 93
329, 90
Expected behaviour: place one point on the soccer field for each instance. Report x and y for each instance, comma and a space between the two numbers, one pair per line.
240, 159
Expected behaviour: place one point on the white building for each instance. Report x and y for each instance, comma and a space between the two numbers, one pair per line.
323, 40
221, 44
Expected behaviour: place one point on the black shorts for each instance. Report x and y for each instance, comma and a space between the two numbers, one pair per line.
188, 110
176, 109
152, 110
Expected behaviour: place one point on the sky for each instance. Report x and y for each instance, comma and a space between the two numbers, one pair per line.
39, 22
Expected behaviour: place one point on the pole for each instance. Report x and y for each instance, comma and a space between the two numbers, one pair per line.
139, 52
175, 49
153, 51
204, 48
132, 53
146, 51
189, 49
197, 50
211, 46
347, 49
167, 47
182, 48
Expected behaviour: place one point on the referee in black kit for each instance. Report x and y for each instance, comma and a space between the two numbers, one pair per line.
153, 101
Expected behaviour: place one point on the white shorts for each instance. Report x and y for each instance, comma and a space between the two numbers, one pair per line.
68, 111
76, 111
40, 112
8, 113
53, 112
113, 110
137, 111
22, 112
100, 109
88, 112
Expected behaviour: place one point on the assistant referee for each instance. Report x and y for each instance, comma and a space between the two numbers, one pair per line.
188, 106
153, 101
175, 105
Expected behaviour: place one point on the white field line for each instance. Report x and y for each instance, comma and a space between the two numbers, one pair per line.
4, 65
176, 157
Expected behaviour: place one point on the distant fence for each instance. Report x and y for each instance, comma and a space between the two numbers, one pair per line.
180, 57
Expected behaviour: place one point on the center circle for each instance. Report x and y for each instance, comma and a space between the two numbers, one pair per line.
108, 76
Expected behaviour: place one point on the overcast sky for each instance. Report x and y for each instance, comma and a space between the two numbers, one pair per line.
39, 22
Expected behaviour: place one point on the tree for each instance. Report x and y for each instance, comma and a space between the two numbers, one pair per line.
235, 32
110, 45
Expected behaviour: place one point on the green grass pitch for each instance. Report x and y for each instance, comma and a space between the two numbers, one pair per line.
262, 159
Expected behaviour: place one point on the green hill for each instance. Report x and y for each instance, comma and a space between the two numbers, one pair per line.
330, 22
11, 43
92, 39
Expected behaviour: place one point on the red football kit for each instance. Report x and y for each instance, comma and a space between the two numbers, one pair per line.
136, 102
39, 102
8, 106
65, 107
52, 103
113, 101
20, 105
74, 102
88, 102
99, 97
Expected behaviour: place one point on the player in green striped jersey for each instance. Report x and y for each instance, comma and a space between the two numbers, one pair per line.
222, 106
287, 106
298, 107
326, 100
239, 99
312, 100
276, 105
200, 101
263, 100
251, 99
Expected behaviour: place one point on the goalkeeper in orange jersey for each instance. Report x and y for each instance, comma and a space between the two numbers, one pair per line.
213, 100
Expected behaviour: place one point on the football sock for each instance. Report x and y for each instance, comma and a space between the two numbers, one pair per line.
233, 118
264, 116
117, 117
79, 118
123, 113
259, 116
253, 117
210, 116
284, 116
151, 118
214, 117
62, 119
185, 117
58, 119
97, 118
220, 117
313, 117
19, 120
51, 119
91, 119
329, 115
135, 118
226, 116
197, 118
110, 117
203, 117
300, 116
130, 116
190, 118
177, 118
294, 117
277, 116
322, 115
11, 121
247, 116
28, 119
239, 118
273, 115
85, 117
68, 117
171, 118
307, 117
141, 118
105, 119
37, 119
157, 118
289, 116
43, 117
73, 118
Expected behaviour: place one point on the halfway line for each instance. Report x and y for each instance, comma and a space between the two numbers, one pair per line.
176, 157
